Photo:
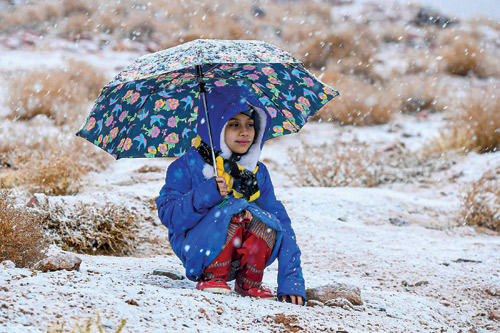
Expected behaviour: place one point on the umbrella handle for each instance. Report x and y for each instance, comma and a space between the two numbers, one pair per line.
199, 75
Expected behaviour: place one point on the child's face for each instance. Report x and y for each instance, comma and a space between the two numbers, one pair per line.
239, 134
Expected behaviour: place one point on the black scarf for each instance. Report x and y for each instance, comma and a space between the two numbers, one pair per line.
244, 181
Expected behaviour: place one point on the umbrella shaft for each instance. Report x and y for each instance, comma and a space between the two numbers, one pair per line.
209, 130
201, 84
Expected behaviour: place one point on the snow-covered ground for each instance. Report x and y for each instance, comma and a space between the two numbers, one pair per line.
412, 277
430, 274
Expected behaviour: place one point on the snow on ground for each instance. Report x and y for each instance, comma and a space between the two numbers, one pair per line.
412, 278
408, 275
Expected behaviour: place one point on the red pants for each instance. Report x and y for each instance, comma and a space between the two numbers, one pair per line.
248, 247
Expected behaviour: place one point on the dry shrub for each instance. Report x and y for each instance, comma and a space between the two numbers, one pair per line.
87, 7
22, 238
475, 125
78, 24
420, 61
349, 49
359, 103
481, 202
282, 322
421, 92
215, 26
347, 165
91, 229
60, 94
357, 164
52, 165
92, 324
462, 54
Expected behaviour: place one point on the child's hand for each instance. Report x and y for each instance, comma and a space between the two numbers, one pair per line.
293, 299
222, 186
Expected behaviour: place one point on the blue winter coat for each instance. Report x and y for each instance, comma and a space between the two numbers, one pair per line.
189, 202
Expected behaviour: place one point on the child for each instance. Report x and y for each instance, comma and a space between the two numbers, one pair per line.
231, 226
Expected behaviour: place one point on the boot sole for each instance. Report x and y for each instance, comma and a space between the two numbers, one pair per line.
221, 291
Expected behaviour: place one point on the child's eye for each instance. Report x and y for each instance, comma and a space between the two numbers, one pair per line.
234, 125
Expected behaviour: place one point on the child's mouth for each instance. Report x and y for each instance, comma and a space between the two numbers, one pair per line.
243, 143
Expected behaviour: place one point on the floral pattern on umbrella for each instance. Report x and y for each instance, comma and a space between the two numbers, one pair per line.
146, 112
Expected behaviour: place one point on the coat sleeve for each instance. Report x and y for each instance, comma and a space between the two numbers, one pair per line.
182, 203
290, 279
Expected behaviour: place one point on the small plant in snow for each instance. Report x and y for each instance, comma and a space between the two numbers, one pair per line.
93, 324
22, 238
91, 229
357, 164
481, 202
475, 126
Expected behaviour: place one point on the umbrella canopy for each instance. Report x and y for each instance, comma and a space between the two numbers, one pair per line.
150, 109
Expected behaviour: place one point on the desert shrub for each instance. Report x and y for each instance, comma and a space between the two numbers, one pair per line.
22, 238
462, 54
481, 202
346, 165
357, 164
60, 94
92, 324
475, 125
78, 24
421, 92
91, 229
53, 165
87, 7
349, 49
359, 103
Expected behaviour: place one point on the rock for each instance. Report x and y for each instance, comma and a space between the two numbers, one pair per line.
421, 283
494, 315
132, 302
398, 221
459, 260
148, 168
429, 16
59, 262
314, 303
493, 291
8, 264
340, 302
173, 275
334, 291
33, 202
446, 303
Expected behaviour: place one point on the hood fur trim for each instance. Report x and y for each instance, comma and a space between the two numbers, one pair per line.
250, 159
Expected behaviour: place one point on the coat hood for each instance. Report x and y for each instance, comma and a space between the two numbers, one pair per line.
223, 103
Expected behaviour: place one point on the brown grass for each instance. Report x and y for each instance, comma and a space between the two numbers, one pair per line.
348, 49
346, 165
481, 202
359, 103
22, 238
462, 54
52, 165
359, 165
92, 229
421, 92
60, 94
475, 125
92, 324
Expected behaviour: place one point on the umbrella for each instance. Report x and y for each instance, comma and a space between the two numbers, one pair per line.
150, 109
